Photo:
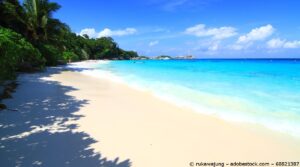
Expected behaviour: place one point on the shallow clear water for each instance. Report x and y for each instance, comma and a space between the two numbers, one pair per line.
265, 92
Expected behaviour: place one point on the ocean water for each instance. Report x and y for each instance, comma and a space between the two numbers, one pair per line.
265, 92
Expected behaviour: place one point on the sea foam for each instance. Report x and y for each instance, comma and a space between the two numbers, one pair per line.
217, 97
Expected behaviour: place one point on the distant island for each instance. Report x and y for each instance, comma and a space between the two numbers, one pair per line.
163, 57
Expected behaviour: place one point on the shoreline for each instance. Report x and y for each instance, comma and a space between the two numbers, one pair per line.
241, 133
89, 68
136, 126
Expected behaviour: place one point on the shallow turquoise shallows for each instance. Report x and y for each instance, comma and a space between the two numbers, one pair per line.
265, 92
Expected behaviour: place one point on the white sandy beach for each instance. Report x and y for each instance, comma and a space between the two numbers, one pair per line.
78, 120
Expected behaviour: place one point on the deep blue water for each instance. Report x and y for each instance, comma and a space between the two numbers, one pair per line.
265, 92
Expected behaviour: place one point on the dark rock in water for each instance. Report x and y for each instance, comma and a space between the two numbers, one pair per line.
11, 87
2, 106
6, 94
8, 89
2, 88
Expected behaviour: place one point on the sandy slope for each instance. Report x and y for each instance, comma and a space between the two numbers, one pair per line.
150, 132
109, 123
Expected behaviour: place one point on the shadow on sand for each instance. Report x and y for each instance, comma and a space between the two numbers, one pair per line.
41, 132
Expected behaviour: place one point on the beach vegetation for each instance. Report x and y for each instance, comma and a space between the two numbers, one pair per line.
50, 53
16, 53
70, 56
31, 38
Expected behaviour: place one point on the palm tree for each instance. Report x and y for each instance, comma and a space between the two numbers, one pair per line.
38, 17
12, 15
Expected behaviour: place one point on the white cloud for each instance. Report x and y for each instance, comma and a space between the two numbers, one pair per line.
109, 33
200, 30
207, 46
152, 43
91, 32
278, 43
239, 46
174, 5
292, 44
213, 46
161, 30
257, 34
275, 43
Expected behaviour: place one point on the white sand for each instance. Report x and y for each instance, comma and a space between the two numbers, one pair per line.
134, 125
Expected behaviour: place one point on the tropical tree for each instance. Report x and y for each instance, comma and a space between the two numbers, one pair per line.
12, 15
38, 18
44, 37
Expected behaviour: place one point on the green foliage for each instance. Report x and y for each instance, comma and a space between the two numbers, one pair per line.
11, 14
15, 51
31, 56
51, 54
84, 55
127, 55
105, 48
38, 15
9, 53
70, 56
32, 36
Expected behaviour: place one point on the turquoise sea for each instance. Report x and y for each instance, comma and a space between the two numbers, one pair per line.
265, 92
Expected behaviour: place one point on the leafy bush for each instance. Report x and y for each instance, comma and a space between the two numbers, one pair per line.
30, 58
9, 53
127, 55
48, 38
84, 55
51, 54
70, 56
16, 51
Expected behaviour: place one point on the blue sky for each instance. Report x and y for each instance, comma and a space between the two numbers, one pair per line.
203, 28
